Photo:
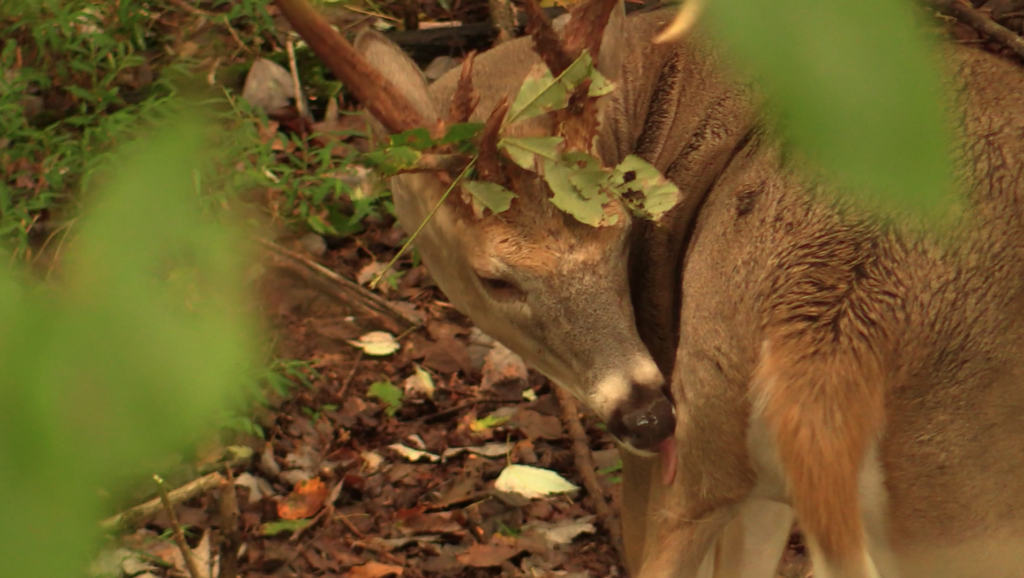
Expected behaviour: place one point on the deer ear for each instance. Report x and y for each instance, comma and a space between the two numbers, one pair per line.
613, 44
399, 69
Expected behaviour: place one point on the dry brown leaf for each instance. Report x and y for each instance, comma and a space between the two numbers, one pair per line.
374, 570
499, 549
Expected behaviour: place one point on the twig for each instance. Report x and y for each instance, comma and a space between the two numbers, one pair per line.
351, 527
228, 527
231, 29
585, 466
426, 220
968, 15
446, 412
363, 297
128, 518
300, 102
350, 376
179, 536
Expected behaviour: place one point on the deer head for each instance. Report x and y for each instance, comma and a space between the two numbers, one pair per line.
550, 287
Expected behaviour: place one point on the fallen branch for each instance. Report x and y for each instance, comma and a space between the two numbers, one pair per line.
229, 536
127, 519
346, 291
179, 536
967, 14
585, 467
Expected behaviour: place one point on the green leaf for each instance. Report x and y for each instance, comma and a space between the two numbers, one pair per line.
461, 132
417, 139
488, 422
587, 175
523, 151
281, 526
490, 195
588, 210
391, 161
388, 394
541, 92
647, 192
856, 88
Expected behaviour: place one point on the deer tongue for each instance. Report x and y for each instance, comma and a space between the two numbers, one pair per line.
667, 455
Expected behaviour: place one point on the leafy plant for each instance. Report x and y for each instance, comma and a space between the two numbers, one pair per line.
144, 343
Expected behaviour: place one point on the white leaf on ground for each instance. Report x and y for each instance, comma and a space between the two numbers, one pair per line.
531, 482
372, 460
419, 383
413, 455
258, 487
377, 343
563, 532
417, 441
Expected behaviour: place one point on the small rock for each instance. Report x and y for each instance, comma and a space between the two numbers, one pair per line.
314, 244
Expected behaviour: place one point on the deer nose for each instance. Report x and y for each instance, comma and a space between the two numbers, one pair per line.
645, 420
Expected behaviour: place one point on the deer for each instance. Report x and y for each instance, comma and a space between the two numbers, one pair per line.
767, 351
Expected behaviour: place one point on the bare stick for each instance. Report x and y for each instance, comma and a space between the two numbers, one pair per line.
416, 233
585, 466
179, 536
300, 102
228, 527
965, 13
127, 519
363, 297
351, 375
372, 89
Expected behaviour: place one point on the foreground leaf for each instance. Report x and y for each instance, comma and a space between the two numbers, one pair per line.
856, 89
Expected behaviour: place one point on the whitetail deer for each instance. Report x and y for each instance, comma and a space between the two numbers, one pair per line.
857, 373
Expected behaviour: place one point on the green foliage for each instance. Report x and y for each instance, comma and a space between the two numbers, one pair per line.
389, 394
541, 92
284, 526
143, 345
856, 89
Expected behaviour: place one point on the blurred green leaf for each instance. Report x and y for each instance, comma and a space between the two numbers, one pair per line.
138, 351
855, 86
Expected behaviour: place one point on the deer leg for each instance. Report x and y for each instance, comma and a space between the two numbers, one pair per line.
752, 544
637, 474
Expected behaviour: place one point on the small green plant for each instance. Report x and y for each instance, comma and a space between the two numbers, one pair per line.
389, 394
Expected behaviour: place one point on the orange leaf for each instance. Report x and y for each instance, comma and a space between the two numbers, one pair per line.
304, 501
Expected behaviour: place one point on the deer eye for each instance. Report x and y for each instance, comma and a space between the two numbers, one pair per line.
502, 289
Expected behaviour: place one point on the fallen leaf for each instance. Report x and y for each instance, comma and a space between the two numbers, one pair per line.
419, 383
387, 393
258, 487
280, 526
563, 532
490, 450
530, 482
534, 425
413, 455
305, 500
376, 343
372, 461
374, 570
499, 549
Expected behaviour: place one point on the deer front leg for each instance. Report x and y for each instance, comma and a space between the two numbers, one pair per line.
752, 544
637, 474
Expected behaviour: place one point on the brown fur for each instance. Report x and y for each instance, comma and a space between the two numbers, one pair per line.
810, 344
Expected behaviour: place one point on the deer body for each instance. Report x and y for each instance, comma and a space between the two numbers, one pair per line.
859, 374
